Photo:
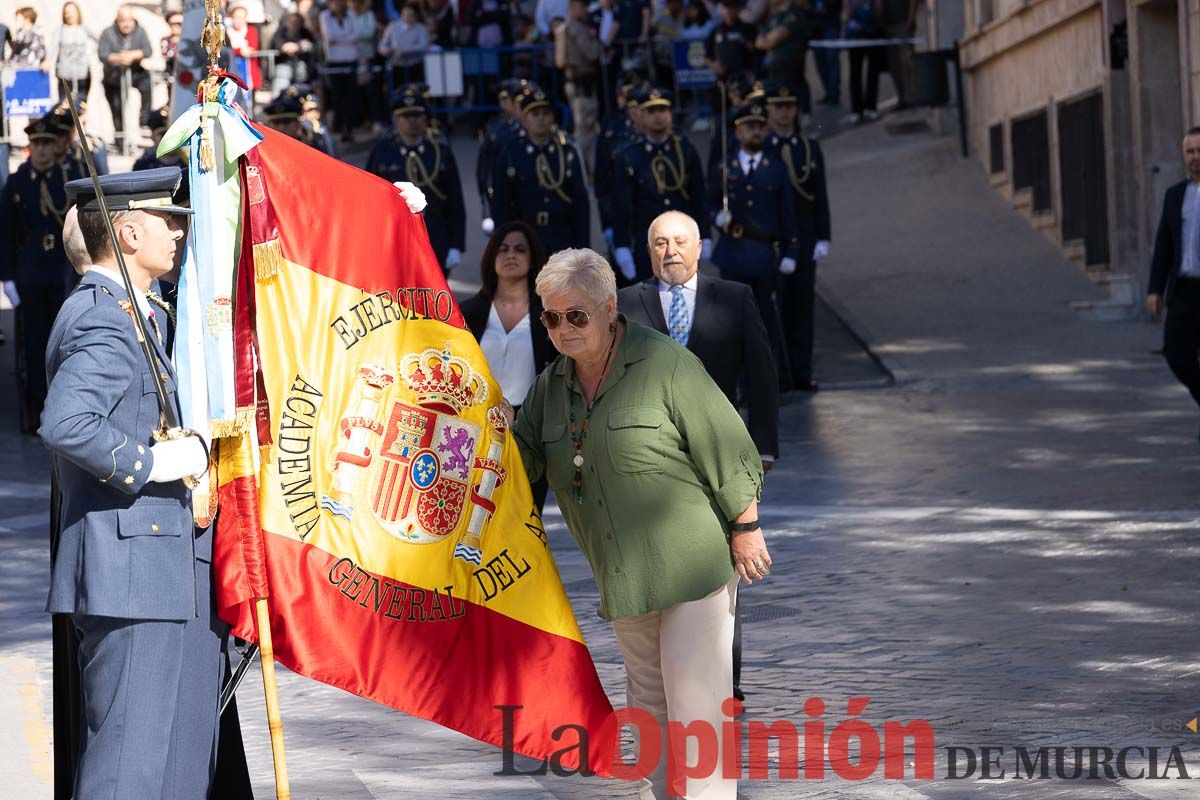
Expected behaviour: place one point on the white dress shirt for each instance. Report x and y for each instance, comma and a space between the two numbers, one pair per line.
746, 160
689, 299
1189, 262
510, 356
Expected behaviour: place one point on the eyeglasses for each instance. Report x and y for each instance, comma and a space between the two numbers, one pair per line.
575, 317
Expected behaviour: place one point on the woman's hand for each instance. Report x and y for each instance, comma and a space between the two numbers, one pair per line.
750, 556
507, 410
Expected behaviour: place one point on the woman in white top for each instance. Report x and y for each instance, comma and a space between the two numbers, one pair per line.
505, 316
339, 37
71, 49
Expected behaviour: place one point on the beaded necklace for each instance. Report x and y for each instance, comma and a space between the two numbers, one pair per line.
579, 432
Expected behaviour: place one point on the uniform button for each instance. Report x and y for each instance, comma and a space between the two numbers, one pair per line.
616, 570
154, 528
609, 535
666, 201
749, 202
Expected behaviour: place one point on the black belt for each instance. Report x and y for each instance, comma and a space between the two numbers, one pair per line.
739, 231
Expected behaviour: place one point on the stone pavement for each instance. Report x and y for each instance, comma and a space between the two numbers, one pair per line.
1000, 544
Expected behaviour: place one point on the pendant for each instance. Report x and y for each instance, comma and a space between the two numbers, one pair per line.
578, 460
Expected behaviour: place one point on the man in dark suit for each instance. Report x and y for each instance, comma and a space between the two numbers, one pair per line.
719, 322
1175, 271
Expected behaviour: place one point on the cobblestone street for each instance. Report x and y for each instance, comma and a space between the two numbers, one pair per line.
1003, 543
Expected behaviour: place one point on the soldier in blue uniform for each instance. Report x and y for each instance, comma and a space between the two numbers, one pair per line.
129, 568
32, 205
497, 133
618, 130
539, 179
658, 171
757, 232
411, 152
805, 166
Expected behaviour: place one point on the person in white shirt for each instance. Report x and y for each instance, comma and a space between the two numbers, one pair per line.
504, 316
339, 37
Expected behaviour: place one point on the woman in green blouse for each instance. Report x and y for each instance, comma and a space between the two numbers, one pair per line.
659, 483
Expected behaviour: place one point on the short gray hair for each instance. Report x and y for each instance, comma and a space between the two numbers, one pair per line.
666, 215
73, 243
577, 270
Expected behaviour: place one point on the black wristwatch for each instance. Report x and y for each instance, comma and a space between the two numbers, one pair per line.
743, 527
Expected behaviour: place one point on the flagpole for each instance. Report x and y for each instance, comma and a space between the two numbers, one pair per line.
212, 39
274, 720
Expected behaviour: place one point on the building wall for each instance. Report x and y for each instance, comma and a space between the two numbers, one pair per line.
1031, 58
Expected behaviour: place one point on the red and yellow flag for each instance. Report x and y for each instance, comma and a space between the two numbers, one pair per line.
387, 513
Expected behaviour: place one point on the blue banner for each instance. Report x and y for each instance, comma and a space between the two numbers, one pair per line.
690, 70
26, 92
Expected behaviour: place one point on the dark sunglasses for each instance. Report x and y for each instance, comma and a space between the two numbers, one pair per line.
575, 317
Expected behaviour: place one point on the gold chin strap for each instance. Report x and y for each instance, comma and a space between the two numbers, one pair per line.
546, 177
661, 167
153, 202
414, 168
799, 180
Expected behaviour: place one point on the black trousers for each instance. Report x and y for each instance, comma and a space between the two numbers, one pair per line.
764, 296
140, 80
344, 95
1181, 334
873, 57
39, 307
797, 294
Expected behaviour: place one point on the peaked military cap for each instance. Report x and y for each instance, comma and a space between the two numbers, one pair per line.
638, 94
511, 87
148, 190
779, 93
656, 97
751, 112
534, 98
410, 100
282, 108
43, 128
304, 93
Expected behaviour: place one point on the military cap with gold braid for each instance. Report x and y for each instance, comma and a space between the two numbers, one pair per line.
284, 108
146, 190
750, 112
779, 93
410, 100
656, 97
534, 98
42, 129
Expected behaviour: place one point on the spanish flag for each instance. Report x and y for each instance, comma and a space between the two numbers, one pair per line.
380, 501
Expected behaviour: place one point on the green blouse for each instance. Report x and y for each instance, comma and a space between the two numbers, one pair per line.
667, 463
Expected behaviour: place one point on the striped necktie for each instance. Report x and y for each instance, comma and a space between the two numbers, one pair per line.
678, 323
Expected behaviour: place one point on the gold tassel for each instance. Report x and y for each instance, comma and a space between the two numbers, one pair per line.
225, 428
268, 260
208, 160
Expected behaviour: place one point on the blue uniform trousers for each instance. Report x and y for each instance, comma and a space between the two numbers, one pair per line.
150, 693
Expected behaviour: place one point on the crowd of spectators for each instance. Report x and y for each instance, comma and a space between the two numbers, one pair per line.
356, 52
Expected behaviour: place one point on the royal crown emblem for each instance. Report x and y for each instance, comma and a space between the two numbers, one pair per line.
425, 476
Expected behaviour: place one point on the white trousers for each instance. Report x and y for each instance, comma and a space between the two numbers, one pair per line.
679, 667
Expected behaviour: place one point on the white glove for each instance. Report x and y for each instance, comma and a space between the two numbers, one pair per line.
624, 258
453, 258
178, 458
705, 249
820, 250
412, 195
787, 266
488, 226
10, 291
723, 219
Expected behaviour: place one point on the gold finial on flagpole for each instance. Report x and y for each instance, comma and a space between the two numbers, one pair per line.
212, 39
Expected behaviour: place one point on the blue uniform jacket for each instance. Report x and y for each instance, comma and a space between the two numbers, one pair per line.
805, 166
649, 178
127, 547
553, 197
764, 219
431, 166
32, 205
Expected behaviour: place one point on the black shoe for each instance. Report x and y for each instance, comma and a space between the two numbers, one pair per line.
808, 385
738, 694
827, 100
